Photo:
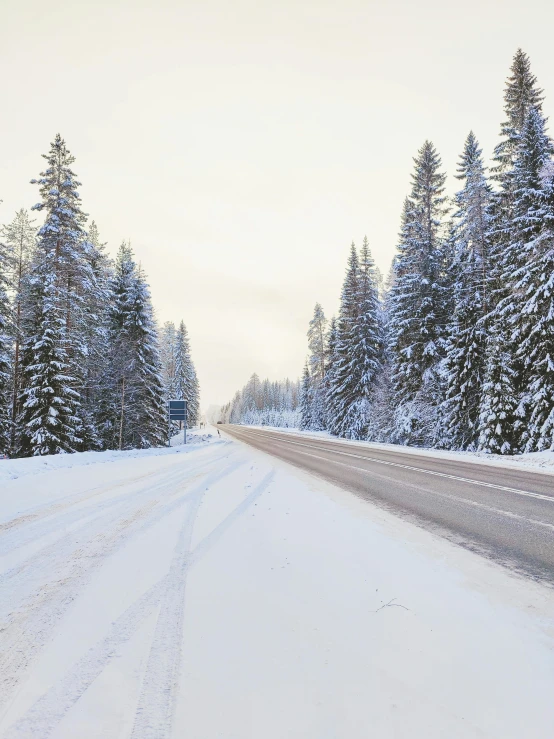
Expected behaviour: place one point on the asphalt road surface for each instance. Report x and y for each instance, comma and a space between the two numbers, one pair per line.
503, 513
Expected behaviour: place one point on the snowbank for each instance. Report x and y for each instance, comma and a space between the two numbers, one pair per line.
11, 469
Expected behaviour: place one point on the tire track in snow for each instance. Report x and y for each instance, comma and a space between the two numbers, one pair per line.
51, 508
44, 561
156, 705
29, 527
30, 627
67, 501
66, 551
47, 712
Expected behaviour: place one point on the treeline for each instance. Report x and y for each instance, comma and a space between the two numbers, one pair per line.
264, 403
457, 350
80, 364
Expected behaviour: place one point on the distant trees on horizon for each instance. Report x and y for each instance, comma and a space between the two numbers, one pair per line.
264, 403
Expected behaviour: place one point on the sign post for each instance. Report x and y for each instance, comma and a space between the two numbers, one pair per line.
178, 412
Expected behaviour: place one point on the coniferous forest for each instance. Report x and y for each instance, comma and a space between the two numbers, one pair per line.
456, 349
81, 365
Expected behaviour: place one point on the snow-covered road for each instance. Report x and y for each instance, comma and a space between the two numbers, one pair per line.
220, 593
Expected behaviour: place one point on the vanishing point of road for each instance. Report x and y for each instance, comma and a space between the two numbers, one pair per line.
504, 513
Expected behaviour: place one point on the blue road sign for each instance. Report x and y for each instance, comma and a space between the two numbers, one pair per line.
178, 412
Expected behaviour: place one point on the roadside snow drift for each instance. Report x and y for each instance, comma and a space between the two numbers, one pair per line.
216, 593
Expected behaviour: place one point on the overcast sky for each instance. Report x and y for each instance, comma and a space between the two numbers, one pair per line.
242, 145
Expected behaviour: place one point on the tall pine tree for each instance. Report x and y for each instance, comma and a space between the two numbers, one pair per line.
521, 93
418, 302
48, 422
52, 366
531, 310
497, 414
341, 391
306, 400
186, 381
5, 351
467, 331
136, 415
317, 368
366, 346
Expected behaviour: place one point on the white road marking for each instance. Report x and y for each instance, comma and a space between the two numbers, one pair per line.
516, 491
455, 498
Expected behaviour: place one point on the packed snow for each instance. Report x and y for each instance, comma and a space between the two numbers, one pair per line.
217, 592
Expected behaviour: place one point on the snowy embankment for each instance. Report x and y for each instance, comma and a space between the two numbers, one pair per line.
221, 593
11, 469
540, 460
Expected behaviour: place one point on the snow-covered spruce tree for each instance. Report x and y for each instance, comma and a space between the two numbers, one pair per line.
364, 351
316, 343
57, 328
168, 334
19, 239
506, 262
418, 304
317, 368
235, 410
186, 381
341, 391
252, 400
332, 357
150, 412
531, 314
539, 348
382, 400
269, 390
469, 275
64, 236
498, 403
114, 396
521, 93
367, 345
357, 354
531, 217
306, 400
48, 421
5, 358
95, 337
135, 414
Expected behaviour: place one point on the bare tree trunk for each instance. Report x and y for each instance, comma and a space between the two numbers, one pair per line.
15, 376
121, 418
17, 342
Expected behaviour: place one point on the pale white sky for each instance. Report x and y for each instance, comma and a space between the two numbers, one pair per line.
241, 145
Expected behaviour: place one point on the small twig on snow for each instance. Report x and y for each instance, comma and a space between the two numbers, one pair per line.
391, 603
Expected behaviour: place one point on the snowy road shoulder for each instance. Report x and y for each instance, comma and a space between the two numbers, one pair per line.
221, 594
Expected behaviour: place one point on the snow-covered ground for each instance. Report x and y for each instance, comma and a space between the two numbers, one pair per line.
11, 469
215, 592
540, 460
